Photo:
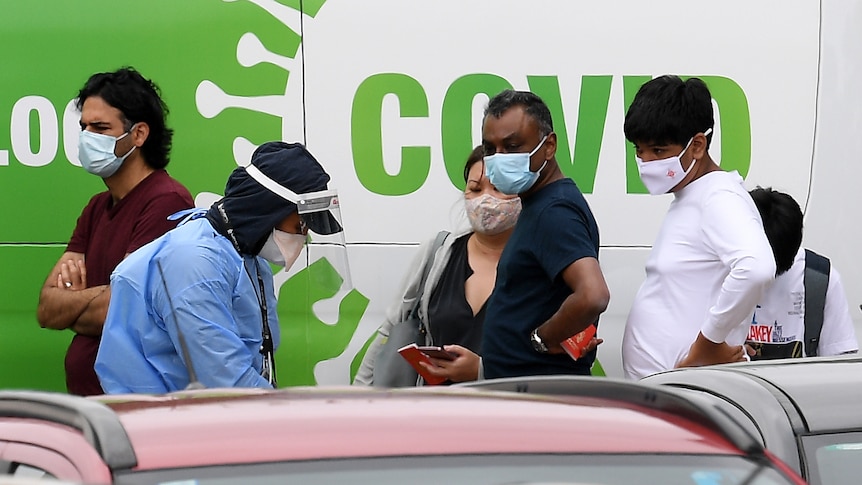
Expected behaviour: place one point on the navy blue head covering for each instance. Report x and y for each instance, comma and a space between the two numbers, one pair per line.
252, 210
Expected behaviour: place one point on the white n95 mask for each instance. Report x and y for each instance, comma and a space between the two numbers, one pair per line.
660, 176
290, 245
96, 153
282, 248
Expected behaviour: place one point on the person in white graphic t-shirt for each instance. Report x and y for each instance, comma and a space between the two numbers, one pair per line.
789, 306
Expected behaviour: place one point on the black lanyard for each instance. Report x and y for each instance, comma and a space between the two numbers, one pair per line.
267, 347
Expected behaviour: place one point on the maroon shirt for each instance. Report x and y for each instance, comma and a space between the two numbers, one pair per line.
105, 233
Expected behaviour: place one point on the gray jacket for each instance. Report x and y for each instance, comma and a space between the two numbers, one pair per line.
397, 312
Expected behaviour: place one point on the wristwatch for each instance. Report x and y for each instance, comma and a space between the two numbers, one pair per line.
538, 345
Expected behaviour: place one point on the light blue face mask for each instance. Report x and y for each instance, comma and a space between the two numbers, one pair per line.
96, 153
510, 172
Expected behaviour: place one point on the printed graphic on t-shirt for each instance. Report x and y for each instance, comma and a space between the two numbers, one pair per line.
770, 342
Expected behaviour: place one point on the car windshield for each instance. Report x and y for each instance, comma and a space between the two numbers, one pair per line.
482, 469
836, 458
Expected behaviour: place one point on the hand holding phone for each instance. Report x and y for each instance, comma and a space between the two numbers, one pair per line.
437, 353
414, 356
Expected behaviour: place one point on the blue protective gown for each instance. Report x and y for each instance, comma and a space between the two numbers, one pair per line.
209, 291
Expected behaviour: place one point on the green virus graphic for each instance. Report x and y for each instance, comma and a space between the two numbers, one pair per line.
317, 320
251, 51
305, 338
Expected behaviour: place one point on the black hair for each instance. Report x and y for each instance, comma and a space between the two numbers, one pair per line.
782, 222
669, 111
477, 155
138, 99
532, 104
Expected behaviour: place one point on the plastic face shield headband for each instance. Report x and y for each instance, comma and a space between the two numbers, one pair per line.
310, 207
321, 213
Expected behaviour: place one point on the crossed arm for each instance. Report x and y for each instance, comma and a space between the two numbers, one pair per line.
66, 302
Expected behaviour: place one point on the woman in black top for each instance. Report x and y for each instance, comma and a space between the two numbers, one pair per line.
456, 310
460, 280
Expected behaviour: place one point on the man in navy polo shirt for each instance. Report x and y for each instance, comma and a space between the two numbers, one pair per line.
549, 284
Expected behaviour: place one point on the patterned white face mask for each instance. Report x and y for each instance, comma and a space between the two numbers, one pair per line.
491, 215
660, 176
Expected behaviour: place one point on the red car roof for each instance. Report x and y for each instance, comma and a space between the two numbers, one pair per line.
219, 427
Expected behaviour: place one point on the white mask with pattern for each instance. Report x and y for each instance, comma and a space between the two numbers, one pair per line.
491, 215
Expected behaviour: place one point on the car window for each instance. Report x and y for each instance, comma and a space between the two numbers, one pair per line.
30, 461
23, 470
483, 469
833, 458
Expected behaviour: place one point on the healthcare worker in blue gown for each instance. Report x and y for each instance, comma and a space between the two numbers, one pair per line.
196, 307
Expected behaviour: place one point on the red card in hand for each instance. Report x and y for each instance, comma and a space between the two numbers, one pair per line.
575, 345
413, 355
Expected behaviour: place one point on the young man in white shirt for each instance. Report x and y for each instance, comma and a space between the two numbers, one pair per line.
777, 329
711, 260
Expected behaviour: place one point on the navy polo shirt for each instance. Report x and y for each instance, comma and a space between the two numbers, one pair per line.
556, 228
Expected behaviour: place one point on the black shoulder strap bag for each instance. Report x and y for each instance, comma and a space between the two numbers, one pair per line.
816, 282
390, 369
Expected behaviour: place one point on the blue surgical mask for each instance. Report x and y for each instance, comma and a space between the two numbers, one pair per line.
96, 153
510, 172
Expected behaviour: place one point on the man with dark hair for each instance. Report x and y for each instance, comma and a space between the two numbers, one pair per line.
197, 307
125, 141
797, 316
711, 261
549, 285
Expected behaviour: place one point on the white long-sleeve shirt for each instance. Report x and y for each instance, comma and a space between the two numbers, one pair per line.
707, 270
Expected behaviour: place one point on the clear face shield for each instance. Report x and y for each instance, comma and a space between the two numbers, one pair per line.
326, 266
326, 248
321, 214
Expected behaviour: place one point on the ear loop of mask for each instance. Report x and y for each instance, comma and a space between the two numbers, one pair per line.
124, 157
541, 142
690, 141
535, 150
693, 161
